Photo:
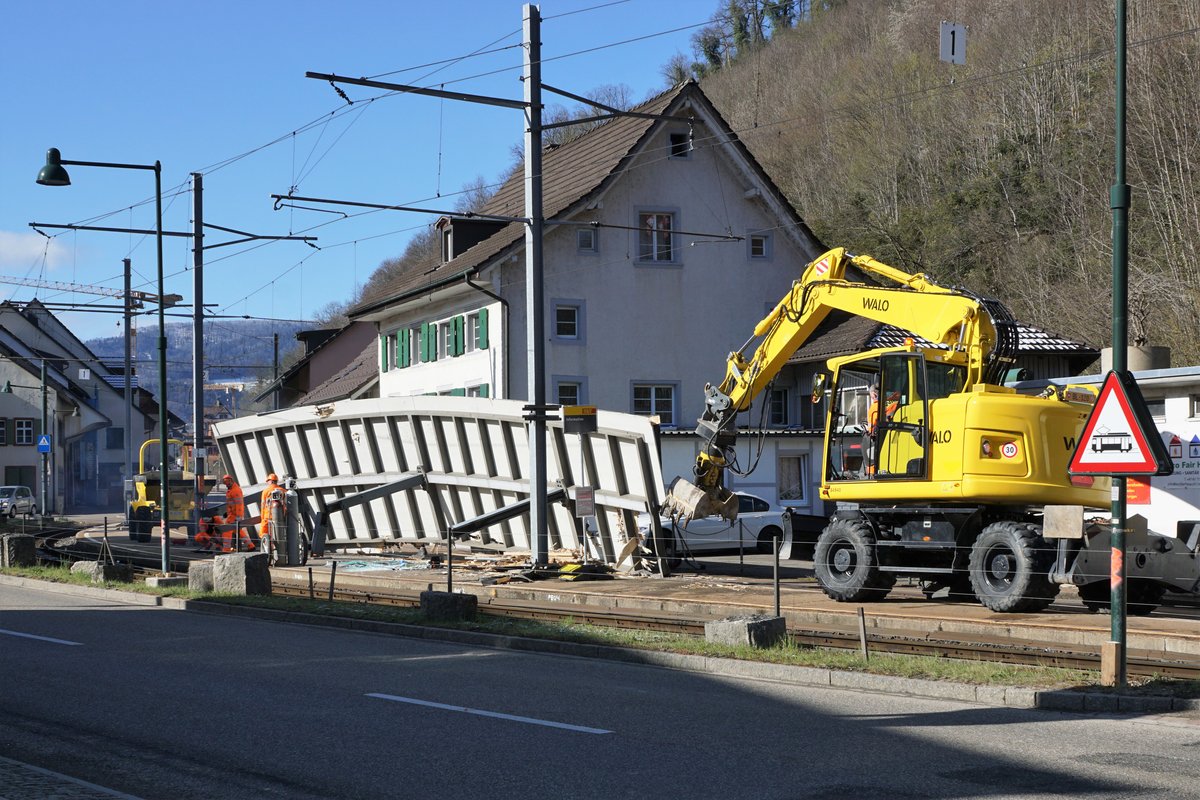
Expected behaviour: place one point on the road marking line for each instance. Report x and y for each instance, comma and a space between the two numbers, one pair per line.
481, 713
39, 638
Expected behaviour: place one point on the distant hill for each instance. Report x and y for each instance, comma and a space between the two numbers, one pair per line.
234, 350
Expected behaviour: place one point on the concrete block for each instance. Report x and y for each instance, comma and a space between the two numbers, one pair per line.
242, 573
200, 576
17, 550
101, 572
1145, 704
163, 581
449, 605
755, 630
1097, 701
1061, 700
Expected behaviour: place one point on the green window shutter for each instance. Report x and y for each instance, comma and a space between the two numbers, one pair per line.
483, 390
459, 327
403, 345
458, 392
424, 341
383, 354
432, 344
483, 328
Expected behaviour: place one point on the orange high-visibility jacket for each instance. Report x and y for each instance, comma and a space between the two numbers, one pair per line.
235, 502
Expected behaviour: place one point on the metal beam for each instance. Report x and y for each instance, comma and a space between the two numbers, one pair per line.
501, 514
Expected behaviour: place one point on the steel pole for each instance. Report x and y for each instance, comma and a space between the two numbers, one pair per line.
45, 456
164, 486
535, 330
128, 393
198, 432
1119, 201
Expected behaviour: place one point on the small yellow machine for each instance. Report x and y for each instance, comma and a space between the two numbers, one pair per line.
182, 483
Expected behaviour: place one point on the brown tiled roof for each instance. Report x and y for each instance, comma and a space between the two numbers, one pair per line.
347, 382
842, 334
570, 174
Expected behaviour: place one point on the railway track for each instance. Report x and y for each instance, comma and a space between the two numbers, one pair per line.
1025, 654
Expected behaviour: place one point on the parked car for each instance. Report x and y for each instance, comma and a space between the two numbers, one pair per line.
757, 524
17, 500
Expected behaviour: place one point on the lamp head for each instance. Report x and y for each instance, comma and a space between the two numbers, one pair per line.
7, 388
54, 173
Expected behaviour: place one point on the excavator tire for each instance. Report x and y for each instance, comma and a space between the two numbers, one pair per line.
1141, 596
847, 564
1010, 568
666, 547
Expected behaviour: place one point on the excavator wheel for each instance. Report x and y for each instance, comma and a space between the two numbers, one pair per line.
666, 547
1142, 596
1010, 568
141, 525
847, 565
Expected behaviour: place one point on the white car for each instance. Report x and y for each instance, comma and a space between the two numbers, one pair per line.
16, 500
753, 530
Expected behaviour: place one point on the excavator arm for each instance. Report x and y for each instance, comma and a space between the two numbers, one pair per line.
957, 323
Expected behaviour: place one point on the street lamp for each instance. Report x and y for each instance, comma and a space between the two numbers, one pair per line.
54, 174
7, 389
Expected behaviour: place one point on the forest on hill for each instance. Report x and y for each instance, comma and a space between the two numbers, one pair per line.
996, 174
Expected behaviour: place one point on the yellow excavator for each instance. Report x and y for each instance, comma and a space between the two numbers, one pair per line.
938, 470
144, 508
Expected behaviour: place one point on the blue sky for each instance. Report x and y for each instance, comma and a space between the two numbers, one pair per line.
219, 88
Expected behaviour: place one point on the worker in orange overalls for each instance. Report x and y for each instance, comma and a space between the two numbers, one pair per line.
206, 536
235, 510
270, 508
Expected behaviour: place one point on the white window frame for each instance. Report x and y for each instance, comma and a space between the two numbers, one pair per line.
653, 404
587, 240
576, 322
758, 237
414, 345
23, 431
445, 335
787, 493
651, 247
779, 408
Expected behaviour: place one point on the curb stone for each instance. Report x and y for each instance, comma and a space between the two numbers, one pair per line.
1000, 696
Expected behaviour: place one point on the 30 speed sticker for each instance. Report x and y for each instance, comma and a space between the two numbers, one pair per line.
1009, 450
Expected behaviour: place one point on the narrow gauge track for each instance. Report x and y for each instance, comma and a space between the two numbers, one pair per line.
1026, 654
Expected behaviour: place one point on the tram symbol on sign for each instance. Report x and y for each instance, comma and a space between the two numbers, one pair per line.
1112, 442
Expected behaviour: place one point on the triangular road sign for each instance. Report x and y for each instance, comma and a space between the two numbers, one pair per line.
1120, 437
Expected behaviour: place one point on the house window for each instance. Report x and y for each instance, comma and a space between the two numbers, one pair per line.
655, 237
478, 391
1157, 408
778, 411
585, 240
760, 246
681, 145
568, 322
3, 432
477, 331
445, 339
1195, 399
114, 438
23, 431
416, 353
650, 399
568, 393
792, 478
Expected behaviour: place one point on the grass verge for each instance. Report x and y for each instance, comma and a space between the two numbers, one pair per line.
929, 668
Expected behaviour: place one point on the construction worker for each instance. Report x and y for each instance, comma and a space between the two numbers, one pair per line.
270, 509
206, 537
231, 529
235, 510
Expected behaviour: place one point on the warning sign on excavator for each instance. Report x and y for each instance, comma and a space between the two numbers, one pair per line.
1120, 437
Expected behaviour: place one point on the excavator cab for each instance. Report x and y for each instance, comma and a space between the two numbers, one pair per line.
877, 426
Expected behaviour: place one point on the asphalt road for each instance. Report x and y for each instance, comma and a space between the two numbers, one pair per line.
166, 704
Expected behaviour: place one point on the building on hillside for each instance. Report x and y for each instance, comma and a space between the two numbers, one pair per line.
85, 413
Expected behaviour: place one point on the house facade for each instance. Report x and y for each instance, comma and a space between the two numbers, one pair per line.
85, 414
665, 242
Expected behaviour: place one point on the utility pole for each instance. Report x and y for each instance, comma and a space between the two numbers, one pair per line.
275, 370
198, 348
534, 294
128, 392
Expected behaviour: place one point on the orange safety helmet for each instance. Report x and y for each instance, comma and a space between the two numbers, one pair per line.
227, 480
272, 478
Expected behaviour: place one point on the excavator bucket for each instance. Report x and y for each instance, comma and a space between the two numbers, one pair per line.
687, 501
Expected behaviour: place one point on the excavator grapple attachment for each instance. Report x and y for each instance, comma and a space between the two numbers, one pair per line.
687, 501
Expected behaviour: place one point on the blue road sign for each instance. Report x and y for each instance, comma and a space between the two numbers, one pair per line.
44, 443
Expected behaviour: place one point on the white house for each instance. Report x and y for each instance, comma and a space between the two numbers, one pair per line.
665, 243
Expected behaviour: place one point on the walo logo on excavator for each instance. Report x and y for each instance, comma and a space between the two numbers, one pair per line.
941, 437
875, 304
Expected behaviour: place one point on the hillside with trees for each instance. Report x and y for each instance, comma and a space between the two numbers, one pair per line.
994, 175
